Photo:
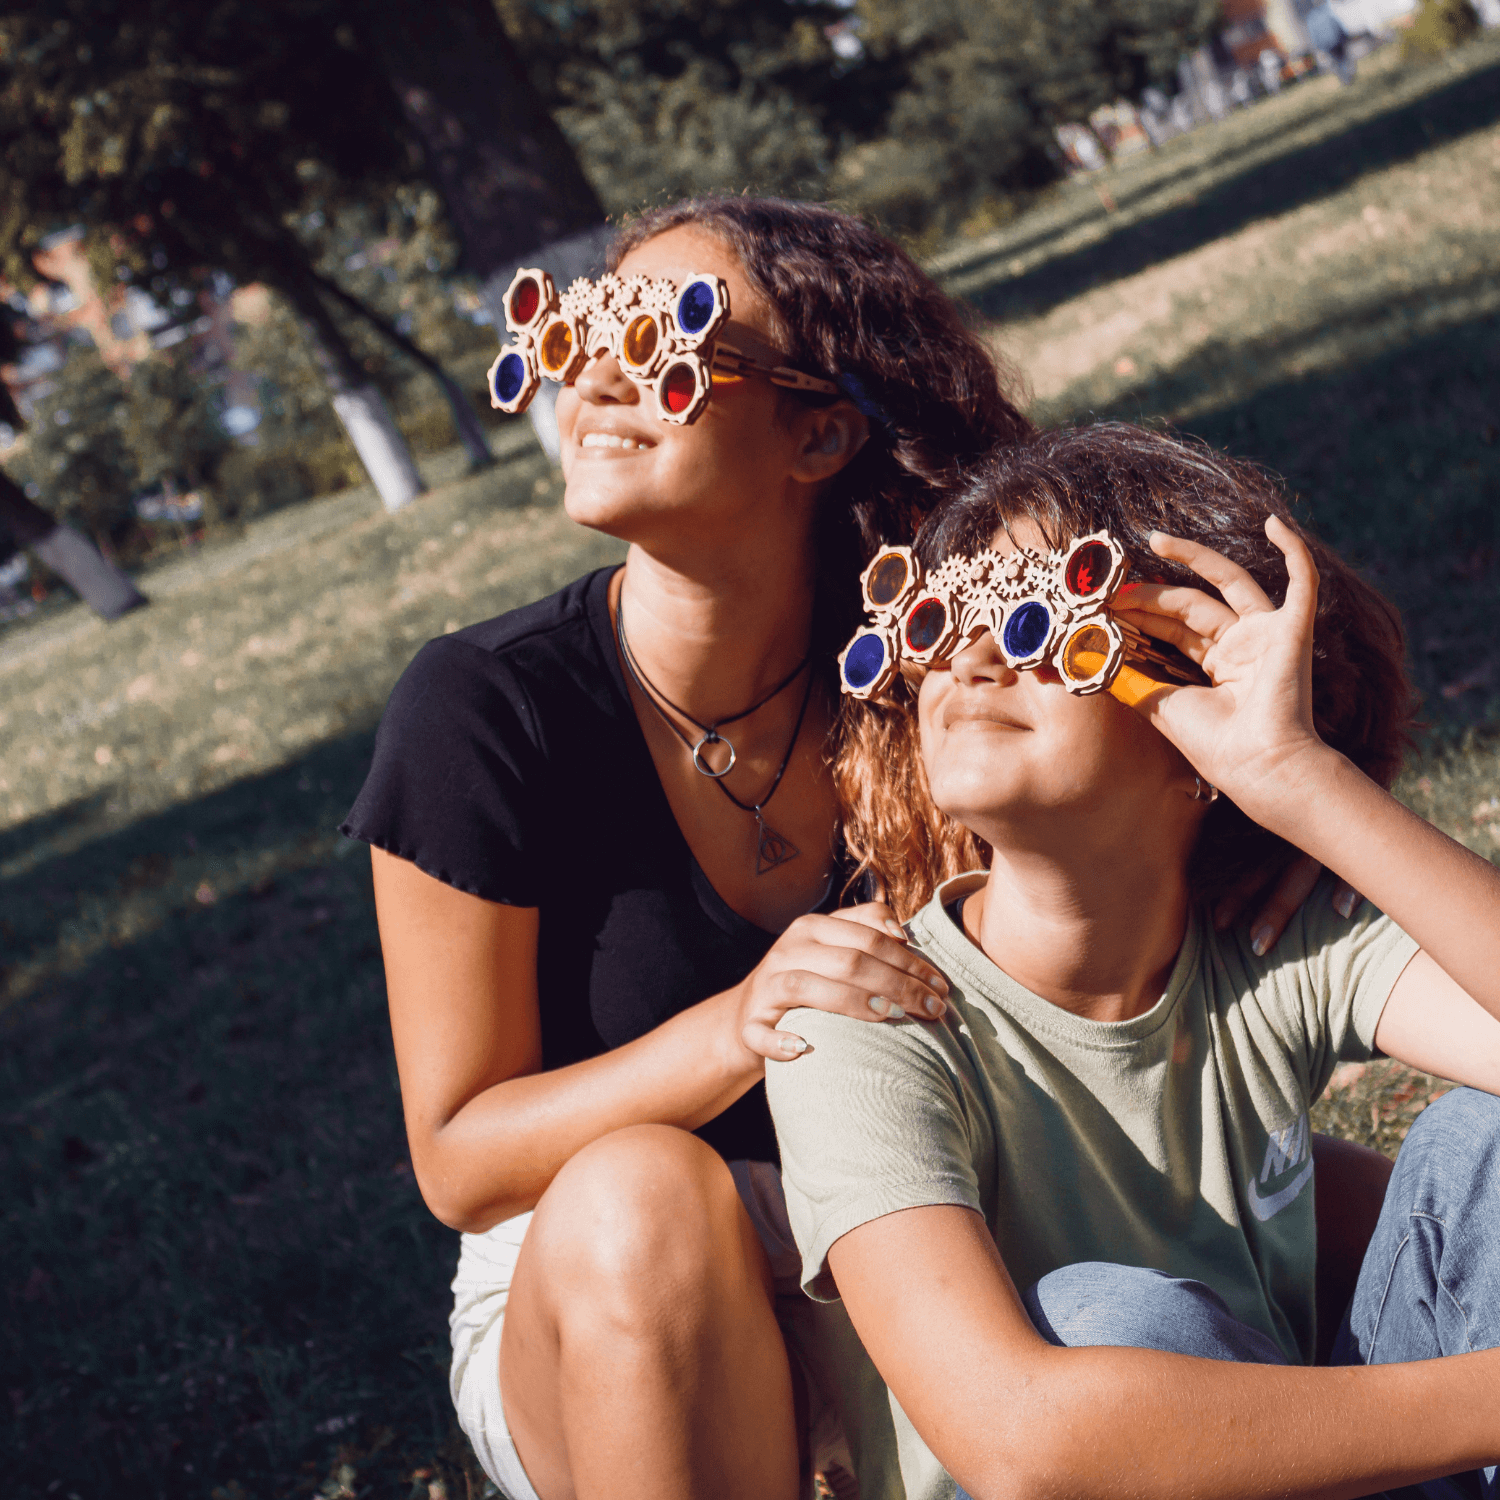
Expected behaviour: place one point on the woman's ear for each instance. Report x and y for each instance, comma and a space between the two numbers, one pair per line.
828, 438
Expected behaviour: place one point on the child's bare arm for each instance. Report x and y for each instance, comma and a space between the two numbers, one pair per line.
1010, 1416
1252, 735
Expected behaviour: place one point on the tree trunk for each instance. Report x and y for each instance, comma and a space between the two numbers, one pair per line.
75, 559
514, 189
357, 401
507, 174
465, 421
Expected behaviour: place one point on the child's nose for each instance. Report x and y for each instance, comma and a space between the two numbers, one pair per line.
980, 661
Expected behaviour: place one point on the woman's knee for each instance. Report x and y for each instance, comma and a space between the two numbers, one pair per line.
1097, 1303
643, 1214
1451, 1155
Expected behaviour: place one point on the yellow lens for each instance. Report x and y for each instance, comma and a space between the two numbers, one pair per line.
640, 341
557, 345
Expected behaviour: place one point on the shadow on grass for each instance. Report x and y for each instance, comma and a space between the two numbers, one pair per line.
218, 1267
1395, 461
1302, 176
21, 840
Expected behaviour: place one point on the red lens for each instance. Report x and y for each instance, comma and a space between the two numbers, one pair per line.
525, 300
1088, 568
678, 387
925, 624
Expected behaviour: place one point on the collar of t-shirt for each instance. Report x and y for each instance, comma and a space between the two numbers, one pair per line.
938, 930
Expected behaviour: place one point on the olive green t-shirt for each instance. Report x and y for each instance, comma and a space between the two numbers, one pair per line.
1177, 1140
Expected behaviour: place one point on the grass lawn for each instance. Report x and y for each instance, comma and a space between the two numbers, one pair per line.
219, 1279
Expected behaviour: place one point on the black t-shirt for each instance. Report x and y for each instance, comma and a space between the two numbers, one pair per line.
510, 765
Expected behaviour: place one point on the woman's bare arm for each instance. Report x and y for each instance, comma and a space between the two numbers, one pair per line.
1012, 1417
489, 1130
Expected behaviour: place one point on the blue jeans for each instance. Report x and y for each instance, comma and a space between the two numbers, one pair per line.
1429, 1284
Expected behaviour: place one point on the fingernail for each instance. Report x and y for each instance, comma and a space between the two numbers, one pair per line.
1346, 903
1260, 940
894, 928
938, 983
793, 1046
935, 1007
886, 1008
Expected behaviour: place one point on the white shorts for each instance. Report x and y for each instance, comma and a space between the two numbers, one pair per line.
481, 1288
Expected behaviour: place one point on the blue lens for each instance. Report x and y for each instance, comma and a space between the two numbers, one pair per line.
510, 376
695, 307
864, 662
1025, 630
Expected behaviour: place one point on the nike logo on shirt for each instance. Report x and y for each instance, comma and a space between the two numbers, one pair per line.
1273, 1203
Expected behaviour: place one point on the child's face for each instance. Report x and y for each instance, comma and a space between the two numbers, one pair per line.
1018, 759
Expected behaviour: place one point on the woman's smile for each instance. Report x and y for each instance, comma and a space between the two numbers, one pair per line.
610, 443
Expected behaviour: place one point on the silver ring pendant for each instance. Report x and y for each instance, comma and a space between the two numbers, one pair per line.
702, 767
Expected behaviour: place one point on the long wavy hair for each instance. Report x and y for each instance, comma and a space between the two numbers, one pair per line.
847, 301
1131, 481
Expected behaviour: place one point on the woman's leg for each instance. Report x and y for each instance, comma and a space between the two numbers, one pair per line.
1430, 1284
640, 1354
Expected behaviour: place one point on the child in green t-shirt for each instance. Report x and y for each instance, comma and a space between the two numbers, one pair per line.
1113, 1113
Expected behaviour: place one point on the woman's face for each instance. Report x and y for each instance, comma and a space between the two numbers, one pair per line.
1020, 760
635, 476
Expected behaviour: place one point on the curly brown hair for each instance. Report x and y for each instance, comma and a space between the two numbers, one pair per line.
848, 302
1130, 481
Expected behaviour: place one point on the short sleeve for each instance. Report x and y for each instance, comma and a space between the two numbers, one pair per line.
1349, 966
457, 781
872, 1119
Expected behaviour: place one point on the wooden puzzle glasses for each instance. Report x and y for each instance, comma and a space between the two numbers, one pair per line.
669, 339
1041, 608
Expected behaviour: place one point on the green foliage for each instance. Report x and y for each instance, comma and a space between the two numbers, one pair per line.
976, 87
75, 453
948, 111
183, 136
190, 139
669, 97
397, 255
1440, 25
170, 425
299, 448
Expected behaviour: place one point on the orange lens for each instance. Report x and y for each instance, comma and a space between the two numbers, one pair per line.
888, 579
639, 343
1085, 654
557, 345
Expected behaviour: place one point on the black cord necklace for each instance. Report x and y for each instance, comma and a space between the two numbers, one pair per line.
772, 848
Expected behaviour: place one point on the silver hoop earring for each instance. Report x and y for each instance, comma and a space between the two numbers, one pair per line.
1204, 791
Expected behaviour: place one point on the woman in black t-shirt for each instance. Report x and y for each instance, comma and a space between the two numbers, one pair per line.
606, 861
589, 939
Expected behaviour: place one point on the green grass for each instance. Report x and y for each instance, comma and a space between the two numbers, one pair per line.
218, 1275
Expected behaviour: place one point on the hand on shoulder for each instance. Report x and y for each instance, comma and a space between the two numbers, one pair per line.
855, 962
